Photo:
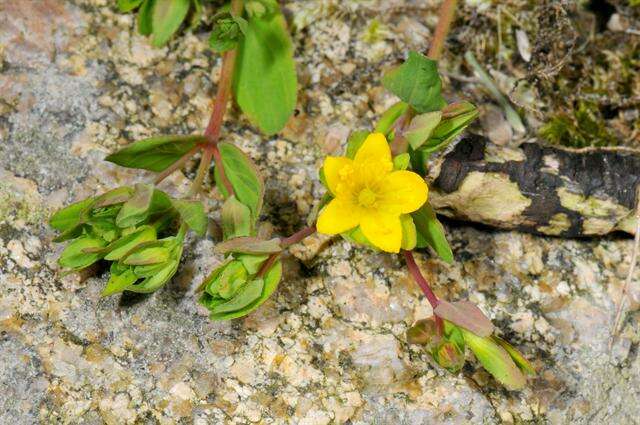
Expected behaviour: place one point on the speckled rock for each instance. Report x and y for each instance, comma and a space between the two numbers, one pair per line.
77, 82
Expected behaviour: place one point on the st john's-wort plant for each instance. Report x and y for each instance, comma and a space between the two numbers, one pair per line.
377, 195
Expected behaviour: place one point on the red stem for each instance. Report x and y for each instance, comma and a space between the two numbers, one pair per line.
178, 164
297, 237
217, 158
414, 270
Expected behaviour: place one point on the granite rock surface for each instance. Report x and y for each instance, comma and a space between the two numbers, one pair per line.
78, 82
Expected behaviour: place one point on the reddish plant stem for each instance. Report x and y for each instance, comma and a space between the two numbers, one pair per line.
297, 236
178, 164
415, 272
285, 243
202, 171
445, 17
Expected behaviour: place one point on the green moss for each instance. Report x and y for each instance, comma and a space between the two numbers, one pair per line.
585, 127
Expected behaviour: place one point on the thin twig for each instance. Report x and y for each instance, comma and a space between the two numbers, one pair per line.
445, 17
632, 267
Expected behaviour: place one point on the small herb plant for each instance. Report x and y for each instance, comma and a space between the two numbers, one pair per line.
376, 196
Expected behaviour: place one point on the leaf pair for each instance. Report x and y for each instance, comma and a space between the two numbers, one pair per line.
162, 18
235, 289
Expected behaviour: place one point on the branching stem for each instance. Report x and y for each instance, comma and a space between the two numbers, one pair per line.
285, 243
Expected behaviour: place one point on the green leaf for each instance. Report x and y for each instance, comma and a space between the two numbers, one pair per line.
431, 232
73, 257
390, 116
516, 356
495, 360
135, 210
421, 127
252, 262
71, 216
244, 177
167, 18
417, 83
196, 15
145, 17
119, 280
232, 278
409, 235
355, 140
128, 5
126, 243
147, 253
449, 355
401, 162
192, 213
236, 219
156, 281
271, 279
265, 81
246, 296
455, 118
113, 197
156, 153
249, 245
466, 315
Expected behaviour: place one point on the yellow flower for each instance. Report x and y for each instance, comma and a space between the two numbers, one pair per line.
368, 193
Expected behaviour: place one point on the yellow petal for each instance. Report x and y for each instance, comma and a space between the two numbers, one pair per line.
374, 149
337, 170
383, 230
338, 216
402, 192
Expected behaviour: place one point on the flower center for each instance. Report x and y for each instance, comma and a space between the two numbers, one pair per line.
366, 197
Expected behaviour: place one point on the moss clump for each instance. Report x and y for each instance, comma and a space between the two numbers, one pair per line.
585, 126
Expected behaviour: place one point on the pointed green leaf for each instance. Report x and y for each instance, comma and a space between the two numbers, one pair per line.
252, 262
250, 293
244, 177
421, 127
158, 280
74, 257
113, 197
249, 245
455, 118
495, 360
69, 217
417, 83
390, 116
235, 218
265, 81
128, 5
135, 210
271, 280
119, 280
192, 213
431, 232
155, 153
147, 253
233, 277
126, 243
355, 140
145, 17
409, 234
167, 17
516, 356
